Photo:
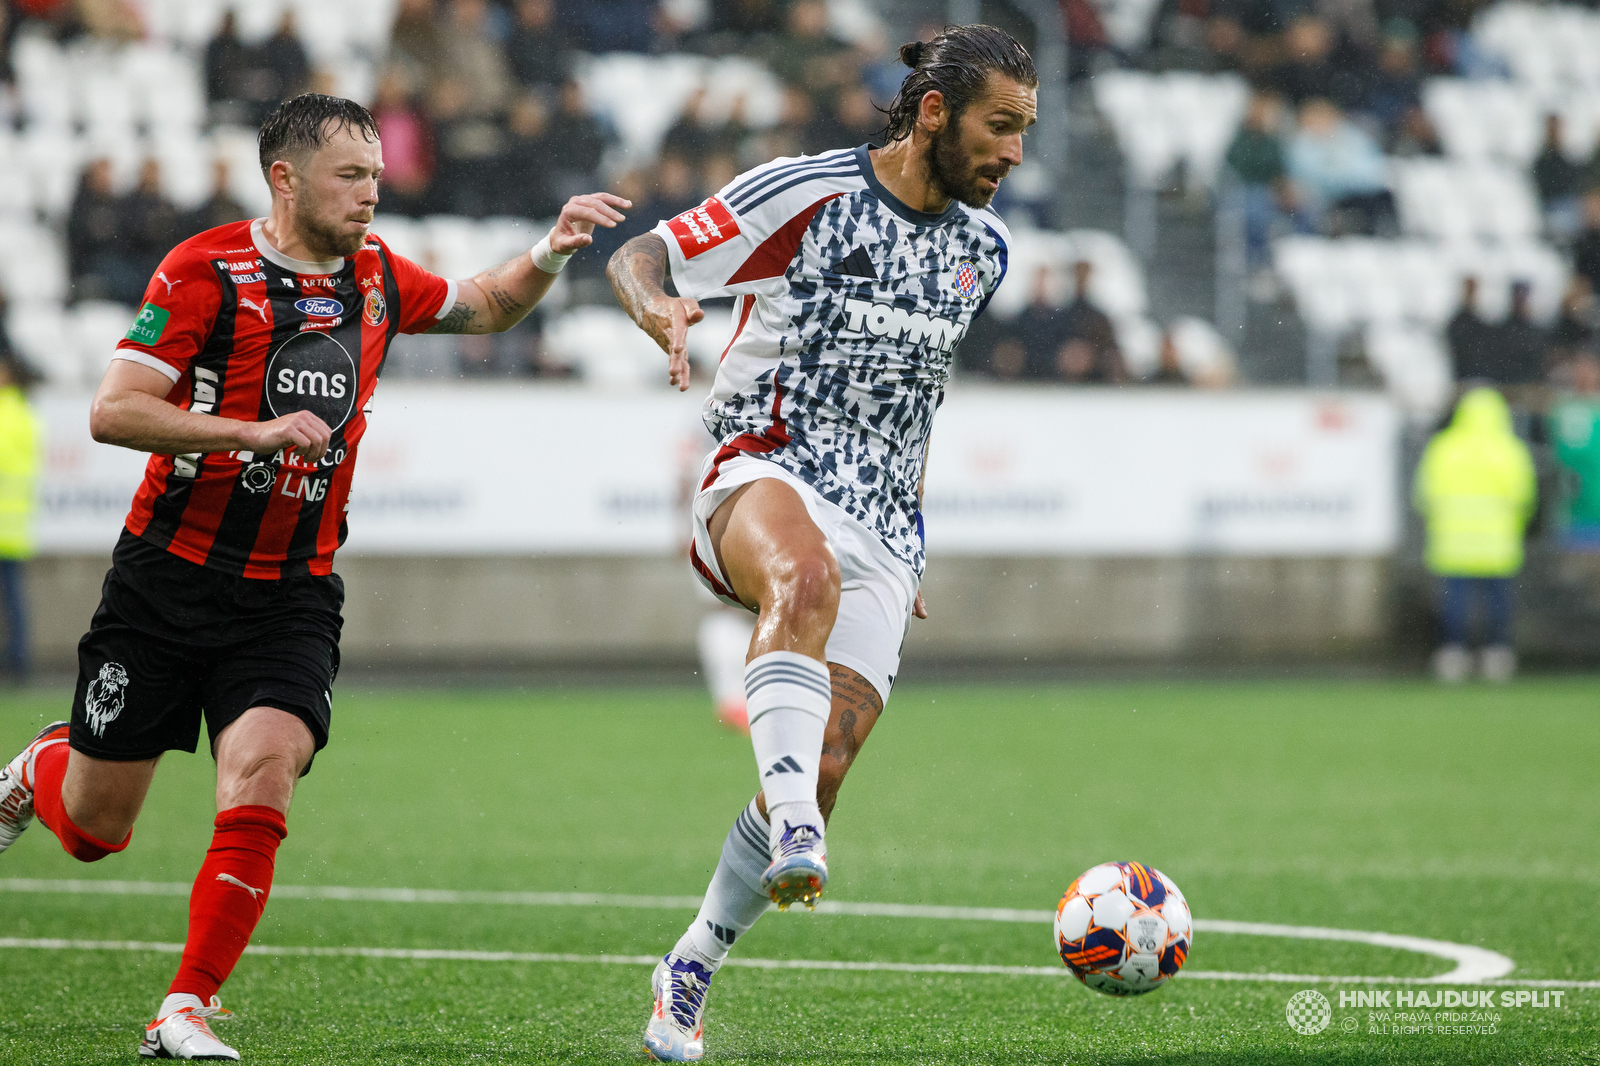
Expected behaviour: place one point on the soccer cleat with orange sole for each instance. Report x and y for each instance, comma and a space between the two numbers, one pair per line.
16, 784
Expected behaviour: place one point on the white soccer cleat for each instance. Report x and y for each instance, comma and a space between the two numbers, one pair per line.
799, 870
677, 1024
16, 784
183, 1033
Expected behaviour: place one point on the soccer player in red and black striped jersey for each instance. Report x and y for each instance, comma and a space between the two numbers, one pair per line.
248, 374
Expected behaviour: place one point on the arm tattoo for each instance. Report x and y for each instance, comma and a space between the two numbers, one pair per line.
506, 304
638, 272
459, 320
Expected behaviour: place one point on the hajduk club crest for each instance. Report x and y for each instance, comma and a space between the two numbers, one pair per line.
967, 279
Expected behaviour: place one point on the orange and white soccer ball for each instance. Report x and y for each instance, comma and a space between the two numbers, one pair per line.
1123, 928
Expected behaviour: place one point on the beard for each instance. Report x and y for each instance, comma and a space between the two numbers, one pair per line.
951, 167
327, 236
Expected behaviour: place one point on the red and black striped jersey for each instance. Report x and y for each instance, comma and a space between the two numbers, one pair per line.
245, 332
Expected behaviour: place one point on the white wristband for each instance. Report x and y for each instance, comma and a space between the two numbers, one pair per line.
546, 260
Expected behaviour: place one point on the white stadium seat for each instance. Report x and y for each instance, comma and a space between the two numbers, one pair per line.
605, 346
1163, 119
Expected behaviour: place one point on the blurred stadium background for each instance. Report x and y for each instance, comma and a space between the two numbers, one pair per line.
1197, 447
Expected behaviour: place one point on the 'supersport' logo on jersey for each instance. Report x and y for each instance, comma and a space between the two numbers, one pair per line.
703, 228
870, 318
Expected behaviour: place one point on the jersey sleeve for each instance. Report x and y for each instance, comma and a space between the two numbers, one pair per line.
425, 297
180, 306
743, 239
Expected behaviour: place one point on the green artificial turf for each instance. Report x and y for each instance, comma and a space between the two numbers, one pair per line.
1461, 814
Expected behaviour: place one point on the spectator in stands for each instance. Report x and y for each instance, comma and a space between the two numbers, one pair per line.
151, 224
539, 47
578, 140
1342, 171
1519, 346
788, 136
407, 146
1574, 433
806, 55
1469, 337
601, 26
746, 17
1586, 248
470, 55
1266, 193
271, 72
1475, 487
697, 136
470, 143
225, 60
1090, 354
218, 209
1170, 371
1308, 72
524, 179
1414, 136
21, 437
1395, 88
415, 42
851, 121
1574, 329
1039, 332
1559, 180
95, 257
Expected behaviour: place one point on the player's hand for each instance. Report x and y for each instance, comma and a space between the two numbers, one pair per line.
301, 431
581, 214
920, 607
667, 319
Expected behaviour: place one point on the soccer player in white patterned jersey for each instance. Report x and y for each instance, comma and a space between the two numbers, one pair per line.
855, 274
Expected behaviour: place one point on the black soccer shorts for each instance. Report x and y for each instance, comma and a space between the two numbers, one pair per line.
172, 642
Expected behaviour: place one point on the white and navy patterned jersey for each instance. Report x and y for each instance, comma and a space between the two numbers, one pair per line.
850, 305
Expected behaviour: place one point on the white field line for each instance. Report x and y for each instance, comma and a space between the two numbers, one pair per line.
448, 954
1474, 965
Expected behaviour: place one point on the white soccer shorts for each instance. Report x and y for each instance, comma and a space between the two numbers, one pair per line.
877, 590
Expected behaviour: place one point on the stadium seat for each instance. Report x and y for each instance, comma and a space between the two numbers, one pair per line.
1415, 367
37, 329
1202, 353
605, 347
93, 328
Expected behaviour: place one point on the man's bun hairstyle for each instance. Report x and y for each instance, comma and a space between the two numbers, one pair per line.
956, 63
302, 124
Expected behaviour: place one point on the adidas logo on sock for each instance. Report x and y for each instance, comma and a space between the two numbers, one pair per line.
785, 765
722, 933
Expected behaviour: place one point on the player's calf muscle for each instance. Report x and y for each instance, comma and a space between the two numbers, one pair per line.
854, 712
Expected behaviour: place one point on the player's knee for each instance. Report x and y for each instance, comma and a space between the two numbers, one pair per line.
261, 779
806, 586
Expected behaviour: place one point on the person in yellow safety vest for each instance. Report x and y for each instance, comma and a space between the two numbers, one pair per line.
1476, 488
20, 439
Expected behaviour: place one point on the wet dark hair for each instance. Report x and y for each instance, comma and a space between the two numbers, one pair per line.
957, 63
300, 126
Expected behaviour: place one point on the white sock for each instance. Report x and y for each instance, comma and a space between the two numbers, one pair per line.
734, 899
724, 641
788, 697
176, 1001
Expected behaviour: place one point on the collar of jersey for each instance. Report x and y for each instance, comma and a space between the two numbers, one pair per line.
258, 235
893, 202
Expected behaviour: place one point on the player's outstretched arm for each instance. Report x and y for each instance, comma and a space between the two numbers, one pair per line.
131, 411
502, 296
638, 273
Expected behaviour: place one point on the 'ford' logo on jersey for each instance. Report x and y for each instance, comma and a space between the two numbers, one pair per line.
319, 306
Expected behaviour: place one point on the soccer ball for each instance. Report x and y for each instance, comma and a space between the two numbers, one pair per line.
1123, 928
